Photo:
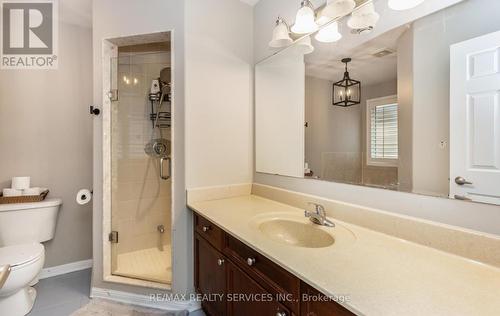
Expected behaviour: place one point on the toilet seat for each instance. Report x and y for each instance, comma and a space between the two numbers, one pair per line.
20, 255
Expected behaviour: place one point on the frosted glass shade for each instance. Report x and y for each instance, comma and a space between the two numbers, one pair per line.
329, 34
281, 36
305, 46
338, 8
304, 21
363, 17
400, 5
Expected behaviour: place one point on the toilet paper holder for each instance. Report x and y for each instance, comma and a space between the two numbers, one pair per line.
84, 196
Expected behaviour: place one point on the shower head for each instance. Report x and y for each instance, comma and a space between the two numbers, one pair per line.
165, 75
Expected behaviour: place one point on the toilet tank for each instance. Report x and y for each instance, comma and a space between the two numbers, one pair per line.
28, 222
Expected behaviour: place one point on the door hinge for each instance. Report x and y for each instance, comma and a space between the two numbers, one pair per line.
113, 237
113, 95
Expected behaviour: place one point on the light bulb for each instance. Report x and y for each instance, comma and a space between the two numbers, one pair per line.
400, 5
304, 21
329, 34
338, 8
364, 17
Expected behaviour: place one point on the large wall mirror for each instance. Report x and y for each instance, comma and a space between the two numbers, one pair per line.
410, 104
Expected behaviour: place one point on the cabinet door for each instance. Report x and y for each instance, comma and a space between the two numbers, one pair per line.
210, 276
322, 307
247, 298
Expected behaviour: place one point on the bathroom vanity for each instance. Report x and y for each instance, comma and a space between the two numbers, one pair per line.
251, 283
265, 256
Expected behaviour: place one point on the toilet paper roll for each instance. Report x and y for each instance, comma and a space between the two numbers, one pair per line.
12, 192
20, 183
83, 196
32, 191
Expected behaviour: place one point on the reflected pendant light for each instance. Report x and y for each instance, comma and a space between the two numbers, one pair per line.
346, 92
329, 33
305, 20
281, 34
400, 5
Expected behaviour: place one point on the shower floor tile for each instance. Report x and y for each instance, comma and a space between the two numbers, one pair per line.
149, 264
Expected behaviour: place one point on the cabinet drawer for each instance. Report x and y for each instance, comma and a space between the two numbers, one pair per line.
209, 231
273, 278
251, 299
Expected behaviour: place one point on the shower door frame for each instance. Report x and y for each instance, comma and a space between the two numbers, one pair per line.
110, 52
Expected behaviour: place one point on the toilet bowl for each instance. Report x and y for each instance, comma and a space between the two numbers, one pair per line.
26, 262
23, 227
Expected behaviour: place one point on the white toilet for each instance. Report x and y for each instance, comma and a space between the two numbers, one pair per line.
22, 229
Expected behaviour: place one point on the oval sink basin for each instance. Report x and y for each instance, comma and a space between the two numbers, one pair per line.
296, 234
294, 230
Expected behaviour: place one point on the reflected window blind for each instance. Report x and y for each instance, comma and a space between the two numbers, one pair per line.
384, 131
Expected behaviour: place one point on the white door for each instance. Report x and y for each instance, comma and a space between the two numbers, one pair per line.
475, 119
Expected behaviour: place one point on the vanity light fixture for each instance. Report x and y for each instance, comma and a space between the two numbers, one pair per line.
329, 33
346, 92
281, 34
305, 46
364, 17
337, 8
305, 20
400, 5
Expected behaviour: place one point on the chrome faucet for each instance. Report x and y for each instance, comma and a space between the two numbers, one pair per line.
319, 216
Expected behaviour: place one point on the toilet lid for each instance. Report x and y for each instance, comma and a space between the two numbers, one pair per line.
20, 254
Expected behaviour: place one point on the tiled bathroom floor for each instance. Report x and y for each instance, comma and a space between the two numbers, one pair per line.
62, 295
149, 264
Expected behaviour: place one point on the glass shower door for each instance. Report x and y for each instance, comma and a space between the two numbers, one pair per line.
140, 197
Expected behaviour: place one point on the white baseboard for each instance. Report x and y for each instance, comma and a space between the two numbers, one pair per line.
144, 300
65, 268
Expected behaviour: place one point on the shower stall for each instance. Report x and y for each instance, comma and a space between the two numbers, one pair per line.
140, 158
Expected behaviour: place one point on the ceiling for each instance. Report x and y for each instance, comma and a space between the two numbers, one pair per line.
325, 62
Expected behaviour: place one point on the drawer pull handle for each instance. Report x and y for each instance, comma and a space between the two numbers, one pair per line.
206, 228
250, 261
220, 262
281, 314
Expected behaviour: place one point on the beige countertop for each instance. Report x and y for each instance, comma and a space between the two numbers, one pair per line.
380, 274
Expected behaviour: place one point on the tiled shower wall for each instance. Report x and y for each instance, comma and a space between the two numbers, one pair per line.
140, 199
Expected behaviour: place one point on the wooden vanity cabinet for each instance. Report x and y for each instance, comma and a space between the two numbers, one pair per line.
210, 276
248, 282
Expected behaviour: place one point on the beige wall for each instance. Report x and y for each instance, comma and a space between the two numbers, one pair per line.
405, 113
46, 131
219, 81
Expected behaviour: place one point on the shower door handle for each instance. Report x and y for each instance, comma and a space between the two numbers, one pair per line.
162, 159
